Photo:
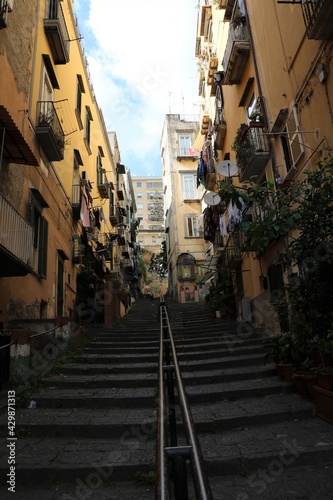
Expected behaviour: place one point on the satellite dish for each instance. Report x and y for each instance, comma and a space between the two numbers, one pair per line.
212, 198
227, 168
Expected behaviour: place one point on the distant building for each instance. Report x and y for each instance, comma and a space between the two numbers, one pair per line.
182, 205
148, 193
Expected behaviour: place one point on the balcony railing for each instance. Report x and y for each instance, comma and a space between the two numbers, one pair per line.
56, 31
252, 154
236, 54
16, 242
104, 245
49, 131
318, 18
186, 153
103, 185
76, 199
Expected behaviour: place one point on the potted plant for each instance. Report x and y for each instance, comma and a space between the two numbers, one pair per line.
324, 402
256, 120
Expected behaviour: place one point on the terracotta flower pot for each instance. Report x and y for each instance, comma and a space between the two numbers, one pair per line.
285, 370
324, 403
325, 380
311, 381
298, 380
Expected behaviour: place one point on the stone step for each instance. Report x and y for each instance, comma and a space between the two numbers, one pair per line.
208, 369
92, 422
112, 377
103, 356
221, 347
43, 461
251, 448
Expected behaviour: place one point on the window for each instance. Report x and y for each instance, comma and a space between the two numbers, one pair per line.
190, 191
184, 145
291, 141
154, 185
139, 184
139, 195
191, 226
139, 206
79, 91
40, 227
250, 108
153, 239
87, 129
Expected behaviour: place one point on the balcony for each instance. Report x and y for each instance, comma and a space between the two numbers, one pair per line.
104, 245
79, 249
205, 124
220, 132
113, 216
16, 242
318, 19
56, 32
252, 153
234, 250
213, 64
103, 184
236, 54
186, 153
49, 131
76, 199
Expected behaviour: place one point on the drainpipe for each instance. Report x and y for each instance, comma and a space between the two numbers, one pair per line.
2, 146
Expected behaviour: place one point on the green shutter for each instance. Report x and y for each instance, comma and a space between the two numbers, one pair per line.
112, 211
42, 247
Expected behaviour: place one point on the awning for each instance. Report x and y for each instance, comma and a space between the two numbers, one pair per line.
16, 150
199, 142
211, 261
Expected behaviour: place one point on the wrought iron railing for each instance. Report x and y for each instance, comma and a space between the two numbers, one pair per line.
171, 457
16, 235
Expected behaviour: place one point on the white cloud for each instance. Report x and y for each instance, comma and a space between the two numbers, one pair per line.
141, 59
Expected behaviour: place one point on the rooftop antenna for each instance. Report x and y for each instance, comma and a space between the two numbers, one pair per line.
170, 94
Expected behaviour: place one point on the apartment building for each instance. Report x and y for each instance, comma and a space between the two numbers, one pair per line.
264, 80
148, 193
61, 190
182, 207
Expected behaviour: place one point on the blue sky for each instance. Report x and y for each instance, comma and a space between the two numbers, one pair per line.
142, 65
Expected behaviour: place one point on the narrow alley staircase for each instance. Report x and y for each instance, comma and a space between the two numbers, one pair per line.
92, 434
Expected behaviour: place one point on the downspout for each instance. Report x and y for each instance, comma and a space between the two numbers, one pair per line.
33, 69
2, 146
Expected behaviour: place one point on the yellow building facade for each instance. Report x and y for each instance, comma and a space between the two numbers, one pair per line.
182, 206
65, 216
264, 80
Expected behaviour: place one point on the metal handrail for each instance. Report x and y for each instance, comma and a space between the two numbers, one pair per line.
168, 363
31, 336
8, 345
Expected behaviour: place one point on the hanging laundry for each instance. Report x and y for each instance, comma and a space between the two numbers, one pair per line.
84, 210
223, 225
102, 216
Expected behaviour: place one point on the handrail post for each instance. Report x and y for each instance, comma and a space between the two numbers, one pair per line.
177, 454
180, 478
19, 356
